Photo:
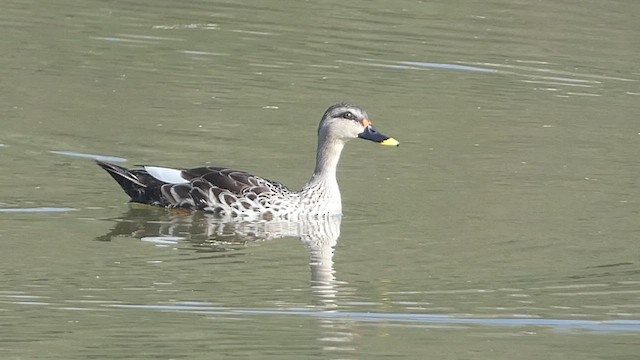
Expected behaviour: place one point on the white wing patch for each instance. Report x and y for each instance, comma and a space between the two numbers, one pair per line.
168, 175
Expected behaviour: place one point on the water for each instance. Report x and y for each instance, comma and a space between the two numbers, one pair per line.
504, 226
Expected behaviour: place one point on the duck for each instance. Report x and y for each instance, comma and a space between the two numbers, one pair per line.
232, 193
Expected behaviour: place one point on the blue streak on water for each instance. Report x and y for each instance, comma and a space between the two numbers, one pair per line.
448, 66
618, 326
89, 156
36, 210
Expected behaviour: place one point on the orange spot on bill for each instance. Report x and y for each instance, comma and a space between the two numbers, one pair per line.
366, 122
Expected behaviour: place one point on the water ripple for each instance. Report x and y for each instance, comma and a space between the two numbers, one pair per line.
448, 66
36, 210
626, 326
89, 156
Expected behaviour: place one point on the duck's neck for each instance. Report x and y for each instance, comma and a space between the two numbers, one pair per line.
322, 189
327, 158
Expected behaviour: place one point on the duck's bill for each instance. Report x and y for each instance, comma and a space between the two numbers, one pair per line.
371, 133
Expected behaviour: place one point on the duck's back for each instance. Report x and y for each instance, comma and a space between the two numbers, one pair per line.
223, 191
230, 192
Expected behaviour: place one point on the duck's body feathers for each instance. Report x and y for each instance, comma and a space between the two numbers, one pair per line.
215, 189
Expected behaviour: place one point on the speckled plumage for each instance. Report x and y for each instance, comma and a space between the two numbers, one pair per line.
232, 193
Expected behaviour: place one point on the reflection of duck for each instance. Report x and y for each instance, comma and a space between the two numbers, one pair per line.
211, 233
230, 193
203, 227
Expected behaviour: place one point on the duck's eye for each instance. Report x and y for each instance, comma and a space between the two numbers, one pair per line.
348, 115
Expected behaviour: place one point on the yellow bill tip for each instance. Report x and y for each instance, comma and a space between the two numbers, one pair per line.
390, 142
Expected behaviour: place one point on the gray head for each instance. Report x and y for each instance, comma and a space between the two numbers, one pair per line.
342, 122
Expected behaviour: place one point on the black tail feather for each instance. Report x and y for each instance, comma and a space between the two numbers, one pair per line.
137, 183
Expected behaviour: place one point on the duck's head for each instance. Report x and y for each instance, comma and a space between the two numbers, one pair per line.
342, 122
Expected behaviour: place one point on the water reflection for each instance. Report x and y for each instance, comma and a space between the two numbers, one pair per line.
208, 233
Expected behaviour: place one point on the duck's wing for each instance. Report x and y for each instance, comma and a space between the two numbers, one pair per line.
220, 189
209, 188
236, 182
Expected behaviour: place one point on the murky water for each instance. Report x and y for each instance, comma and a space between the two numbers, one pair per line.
505, 226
